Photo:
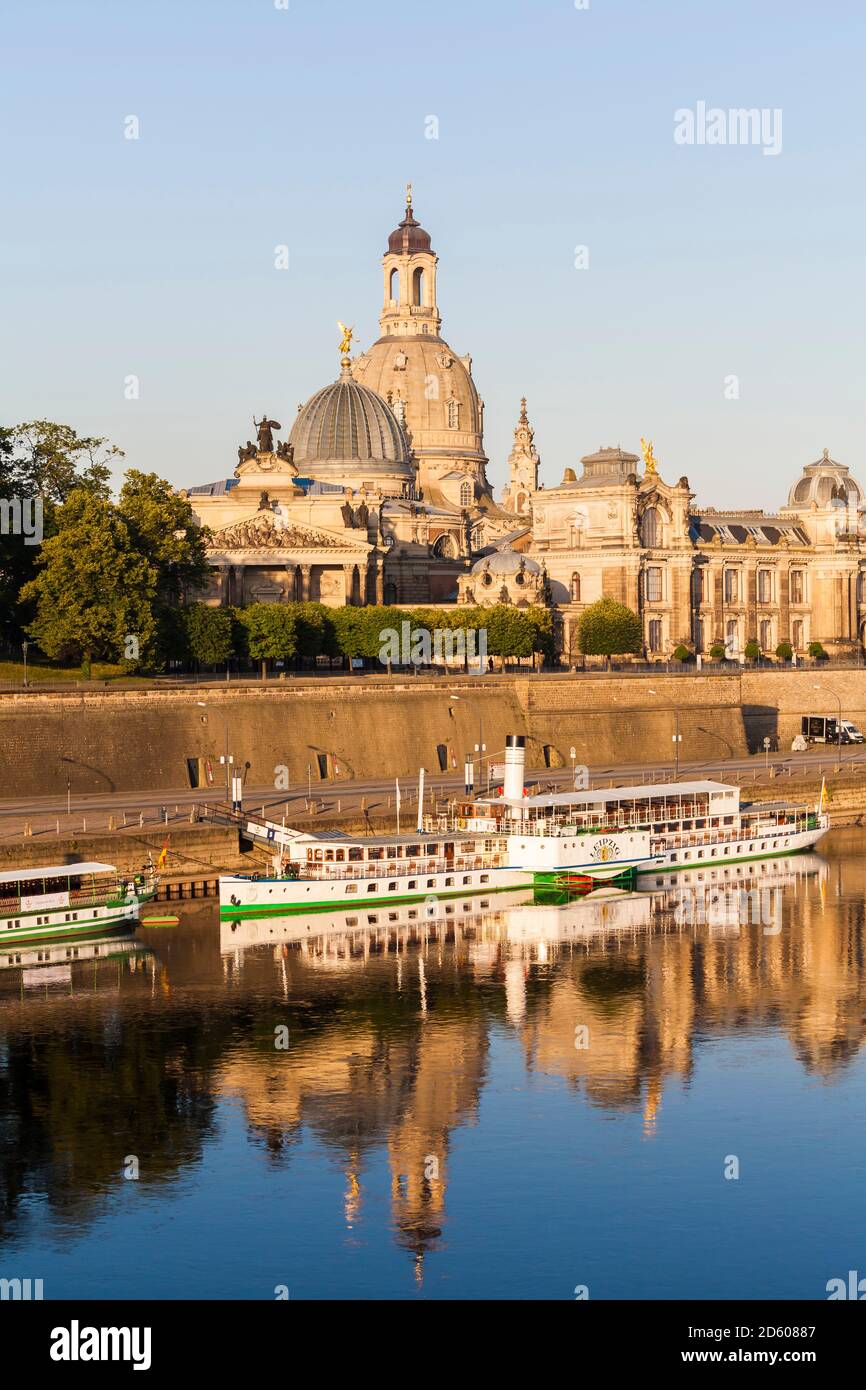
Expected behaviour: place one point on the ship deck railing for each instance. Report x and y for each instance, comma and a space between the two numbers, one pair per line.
398, 868
789, 819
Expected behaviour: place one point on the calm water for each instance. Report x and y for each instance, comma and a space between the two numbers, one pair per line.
530, 1099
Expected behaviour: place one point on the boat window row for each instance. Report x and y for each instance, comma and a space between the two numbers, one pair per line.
354, 854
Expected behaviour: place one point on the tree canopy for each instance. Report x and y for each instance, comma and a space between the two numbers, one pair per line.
608, 628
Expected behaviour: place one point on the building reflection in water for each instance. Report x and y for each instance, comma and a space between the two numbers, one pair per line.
391, 1021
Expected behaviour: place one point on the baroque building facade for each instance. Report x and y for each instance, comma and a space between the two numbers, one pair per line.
380, 495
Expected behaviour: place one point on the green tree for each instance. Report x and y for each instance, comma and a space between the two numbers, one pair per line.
270, 631
209, 634
682, 653
164, 529
816, 651
314, 628
784, 651
608, 628
93, 594
717, 651
510, 631
40, 465
53, 461
752, 650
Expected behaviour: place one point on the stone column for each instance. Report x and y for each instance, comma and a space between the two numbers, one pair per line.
306, 583
362, 584
783, 578
349, 583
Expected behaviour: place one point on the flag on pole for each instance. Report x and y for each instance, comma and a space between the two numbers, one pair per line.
823, 797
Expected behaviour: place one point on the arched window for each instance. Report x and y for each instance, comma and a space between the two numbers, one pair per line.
575, 588
650, 527
453, 408
797, 635
466, 491
765, 634
418, 285
394, 286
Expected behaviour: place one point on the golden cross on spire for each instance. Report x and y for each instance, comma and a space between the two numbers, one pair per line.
408, 195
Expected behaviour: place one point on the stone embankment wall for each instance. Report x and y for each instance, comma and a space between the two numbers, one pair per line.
150, 739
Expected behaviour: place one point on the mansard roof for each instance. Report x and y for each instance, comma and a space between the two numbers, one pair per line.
741, 527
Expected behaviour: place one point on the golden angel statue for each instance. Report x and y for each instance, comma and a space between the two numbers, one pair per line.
648, 457
348, 334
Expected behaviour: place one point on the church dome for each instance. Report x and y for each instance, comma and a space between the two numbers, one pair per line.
825, 483
504, 563
346, 433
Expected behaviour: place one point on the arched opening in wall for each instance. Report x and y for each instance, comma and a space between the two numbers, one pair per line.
394, 286
390, 592
654, 634
442, 755
575, 588
418, 285
651, 527
549, 751
444, 548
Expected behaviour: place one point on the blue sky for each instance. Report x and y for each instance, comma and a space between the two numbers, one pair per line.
261, 126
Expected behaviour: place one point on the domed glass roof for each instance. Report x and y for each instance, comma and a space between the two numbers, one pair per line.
825, 483
345, 424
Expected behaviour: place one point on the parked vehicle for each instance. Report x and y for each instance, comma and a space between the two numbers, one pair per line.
820, 728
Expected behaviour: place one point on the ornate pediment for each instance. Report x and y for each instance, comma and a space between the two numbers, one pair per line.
264, 530
282, 461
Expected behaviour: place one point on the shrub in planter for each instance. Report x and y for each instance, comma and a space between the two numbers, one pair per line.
784, 651
717, 652
752, 651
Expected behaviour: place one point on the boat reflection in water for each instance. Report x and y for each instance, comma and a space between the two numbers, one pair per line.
431, 1048
719, 899
76, 965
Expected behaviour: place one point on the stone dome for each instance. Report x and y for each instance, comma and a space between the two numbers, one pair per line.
346, 433
825, 483
504, 563
432, 388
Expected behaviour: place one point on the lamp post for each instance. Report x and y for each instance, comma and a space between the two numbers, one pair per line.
480, 747
838, 700
24, 646
227, 759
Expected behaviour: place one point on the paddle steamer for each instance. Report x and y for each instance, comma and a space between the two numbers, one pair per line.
556, 841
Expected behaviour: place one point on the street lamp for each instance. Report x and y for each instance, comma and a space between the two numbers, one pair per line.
838, 700
24, 646
204, 705
481, 746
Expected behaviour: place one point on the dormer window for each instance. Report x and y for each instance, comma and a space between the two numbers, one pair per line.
466, 491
